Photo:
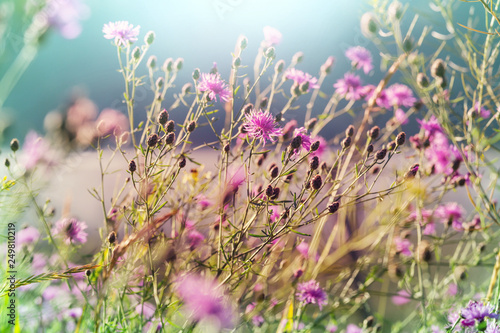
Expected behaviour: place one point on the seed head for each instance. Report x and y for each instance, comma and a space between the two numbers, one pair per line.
346, 143
170, 138
163, 117
314, 163
153, 140
316, 182
182, 162
380, 155
296, 142
7, 162
276, 193
438, 68
170, 126
132, 166
369, 149
275, 172
374, 132
112, 237
401, 138
88, 272
191, 126
269, 190
349, 131
334, 207
391, 145
422, 80
315, 145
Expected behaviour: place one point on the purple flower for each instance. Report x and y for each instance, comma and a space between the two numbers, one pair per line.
299, 77
71, 230
74, 313
360, 58
492, 328
480, 111
331, 328
261, 126
351, 328
401, 117
451, 213
36, 150
402, 246
195, 238
349, 86
272, 36
121, 31
311, 293
203, 299
431, 126
425, 220
477, 311
214, 85
258, 320
401, 298
145, 310
64, 16
28, 235
400, 95
306, 139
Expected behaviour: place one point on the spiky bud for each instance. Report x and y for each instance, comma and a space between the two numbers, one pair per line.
395, 11
191, 126
276, 193
314, 163
263, 103
374, 132
248, 108
269, 190
182, 162
243, 42
441, 82
179, 62
132, 166
333, 207
369, 321
153, 140
380, 155
168, 65
170, 138
136, 53
346, 143
275, 172
170, 126
401, 138
412, 172
149, 38
296, 142
304, 87
186, 89
14, 145
316, 182
315, 145
7, 163
159, 83
163, 117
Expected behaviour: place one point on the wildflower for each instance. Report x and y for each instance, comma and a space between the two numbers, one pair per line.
425, 220
195, 238
28, 235
214, 85
401, 117
35, 150
401, 298
349, 87
492, 327
71, 230
451, 214
64, 16
374, 132
261, 126
331, 328
111, 121
311, 293
422, 80
476, 311
360, 58
480, 111
74, 313
402, 246
300, 78
351, 328
400, 95
121, 31
272, 36
203, 299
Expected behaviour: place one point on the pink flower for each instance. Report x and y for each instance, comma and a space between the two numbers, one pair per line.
401, 298
28, 235
431, 126
480, 111
214, 85
203, 299
71, 230
195, 238
403, 246
262, 126
36, 150
299, 77
111, 121
275, 214
121, 31
311, 293
425, 221
401, 117
360, 58
349, 87
452, 289
306, 139
303, 249
64, 16
451, 213
203, 201
145, 310
272, 36
351, 328
400, 95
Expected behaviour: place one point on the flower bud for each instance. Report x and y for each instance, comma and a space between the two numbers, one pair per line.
279, 66
276, 193
191, 126
441, 82
395, 11
369, 149
270, 52
275, 172
401, 138
326, 68
315, 145
7, 163
412, 172
248, 108
349, 131
296, 142
88, 272
196, 74
438, 68
149, 38
182, 162
368, 24
226, 148
369, 321
243, 42
159, 83
314, 163
380, 155
163, 117
151, 62
263, 103
374, 132
295, 90
408, 44
170, 138
132, 166
311, 123
153, 140
298, 57
316, 182
304, 87
112, 237
391, 145
186, 89
136, 53
422, 80
14, 145
333, 207
346, 143
269, 190
170, 126
237, 62
168, 65
179, 63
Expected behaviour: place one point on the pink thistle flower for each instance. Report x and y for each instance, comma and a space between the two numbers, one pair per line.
400, 95
401, 298
195, 238
306, 139
214, 85
311, 293
203, 201
360, 58
477, 311
349, 87
275, 214
28, 235
272, 36
71, 230
426, 220
303, 249
262, 126
451, 213
299, 77
401, 117
480, 111
431, 126
121, 31
403, 246
203, 299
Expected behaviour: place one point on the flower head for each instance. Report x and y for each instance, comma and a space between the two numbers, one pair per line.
299, 77
272, 36
28, 235
401, 298
306, 139
477, 311
195, 238
311, 293
214, 85
261, 126
64, 16
121, 31
360, 58
451, 213
71, 230
400, 95
402, 246
350, 87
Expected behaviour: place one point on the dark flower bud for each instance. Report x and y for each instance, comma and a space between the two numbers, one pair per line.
401, 138
7, 162
263, 103
456, 164
369, 321
276, 193
248, 108
481, 247
227, 147
374, 132
182, 162
380, 155
151, 62
153, 140
132, 166
279, 66
149, 38
422, 80
314, 163
88, 272
349, 131
460, 273
394, 271
438, 68
112, 237
170, 126
316, 182
163, 117
275, 172
311, 123
424, 251
296, 142
369, 149
375, 170
334, 207
289, 178
171, 255
191, 126
408, 44
170, 138
346, 143
315, 145
196, 74
269, 191
295, 90
391, 145
14, 145
260, 160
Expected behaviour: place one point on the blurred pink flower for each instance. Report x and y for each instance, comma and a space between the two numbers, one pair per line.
215, 86
349, 87
64, 16
71, 230
402, 246
360, 58
311, 293
111, 121
400, 95
402, 298
195, 238
299, 77
401, 117
272, 36
28, 235
122, 32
